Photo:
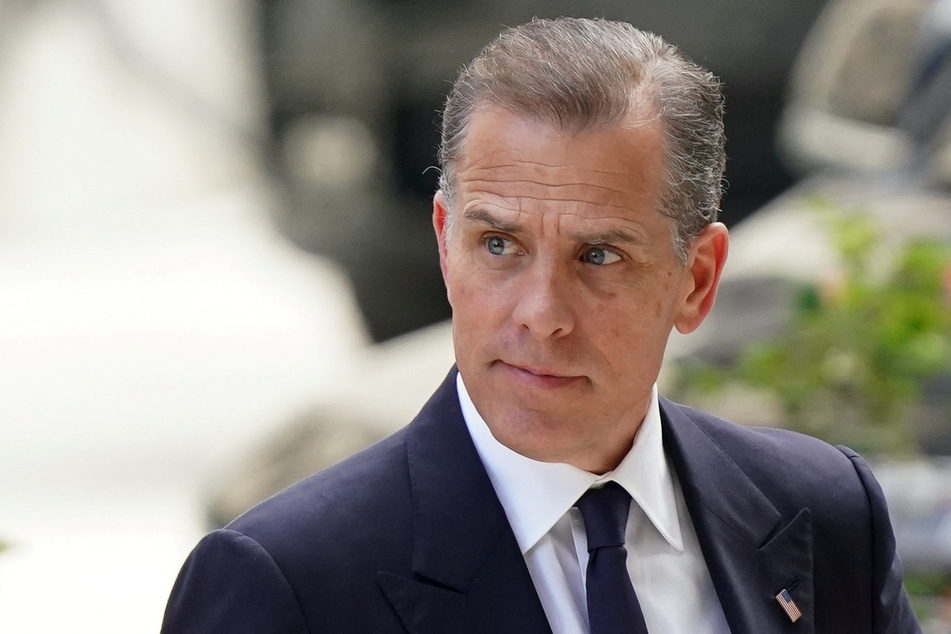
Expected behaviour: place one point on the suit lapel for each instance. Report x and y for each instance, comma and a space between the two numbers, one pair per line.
468, 572
752, 551
469, 575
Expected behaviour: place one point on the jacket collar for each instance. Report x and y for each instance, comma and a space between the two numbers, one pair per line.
468, 572
752, 551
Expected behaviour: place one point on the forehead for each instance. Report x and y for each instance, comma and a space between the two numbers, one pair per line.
530, 166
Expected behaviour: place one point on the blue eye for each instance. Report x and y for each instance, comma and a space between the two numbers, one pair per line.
497, 245
600, 256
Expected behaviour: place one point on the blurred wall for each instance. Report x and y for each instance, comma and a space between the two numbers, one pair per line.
153, 324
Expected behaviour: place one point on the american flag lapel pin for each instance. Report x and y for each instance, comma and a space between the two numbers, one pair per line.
788, 605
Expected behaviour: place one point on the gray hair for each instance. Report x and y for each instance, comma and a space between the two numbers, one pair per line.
581, 74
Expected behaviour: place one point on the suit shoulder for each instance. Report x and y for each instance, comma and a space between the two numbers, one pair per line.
348, 503
774, 442
783, 463
325, 538
227, 568
356, 517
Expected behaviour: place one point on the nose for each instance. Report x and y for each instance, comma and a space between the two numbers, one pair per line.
543, 304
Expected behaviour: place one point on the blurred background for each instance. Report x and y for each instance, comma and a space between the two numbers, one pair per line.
215, 241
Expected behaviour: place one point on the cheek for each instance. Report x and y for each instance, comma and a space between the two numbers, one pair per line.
455, 293
611, 317
631, 315
664, 296
472, 302
457, 284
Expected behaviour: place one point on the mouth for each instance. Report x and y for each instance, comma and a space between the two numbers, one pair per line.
537, 375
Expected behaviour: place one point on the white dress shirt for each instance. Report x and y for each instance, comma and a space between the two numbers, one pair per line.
664, 560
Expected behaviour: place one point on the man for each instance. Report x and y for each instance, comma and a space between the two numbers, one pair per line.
576, 226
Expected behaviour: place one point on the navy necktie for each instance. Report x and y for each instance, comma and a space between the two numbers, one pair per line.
612, 604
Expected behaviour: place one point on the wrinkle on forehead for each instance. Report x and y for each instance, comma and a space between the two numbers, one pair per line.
523, 181
524, 193
493, 160
520, 165
518, 204
500, 172
476, 212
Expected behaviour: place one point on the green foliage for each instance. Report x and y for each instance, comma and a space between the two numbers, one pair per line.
929, 590
858, 348
927, 583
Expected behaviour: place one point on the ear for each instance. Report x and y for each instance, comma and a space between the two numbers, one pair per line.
440, 217
704, 266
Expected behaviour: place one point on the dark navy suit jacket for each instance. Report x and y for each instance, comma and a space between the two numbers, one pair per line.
409, 536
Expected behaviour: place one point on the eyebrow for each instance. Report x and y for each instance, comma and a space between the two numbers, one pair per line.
483, 216
614, 236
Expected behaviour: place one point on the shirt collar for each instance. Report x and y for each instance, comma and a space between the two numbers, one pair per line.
537, 494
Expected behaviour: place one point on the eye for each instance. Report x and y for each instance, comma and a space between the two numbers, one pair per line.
599, 256
497, 245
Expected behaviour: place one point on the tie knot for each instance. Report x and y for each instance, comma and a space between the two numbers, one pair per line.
605, 512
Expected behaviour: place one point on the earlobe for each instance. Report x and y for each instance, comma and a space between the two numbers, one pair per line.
704, 267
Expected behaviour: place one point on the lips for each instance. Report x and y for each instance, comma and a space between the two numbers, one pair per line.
538, 371
537, 375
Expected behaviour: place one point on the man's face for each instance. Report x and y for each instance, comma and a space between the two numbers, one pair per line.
564, 282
